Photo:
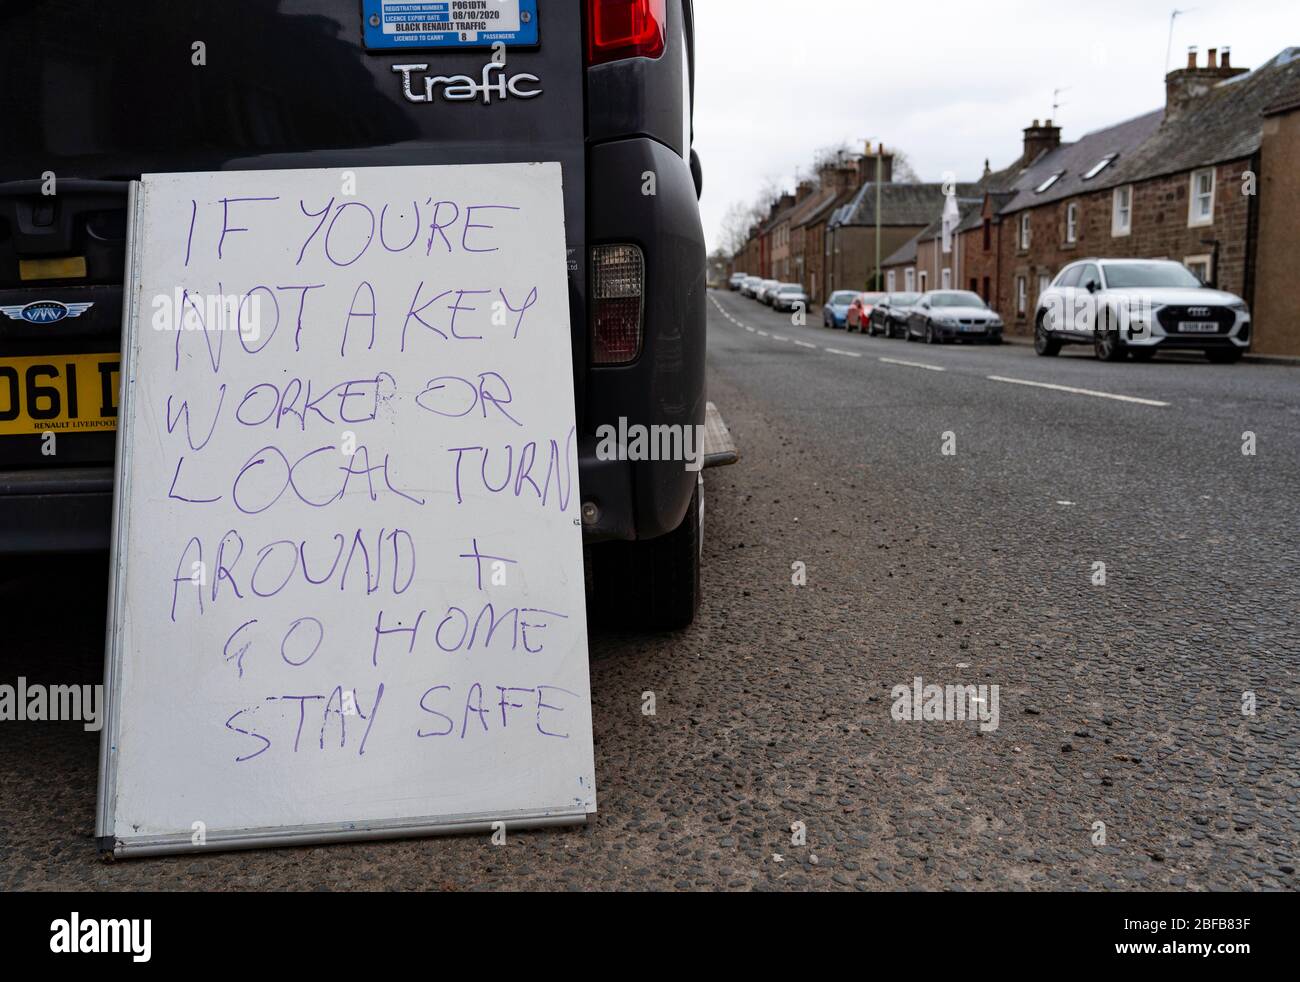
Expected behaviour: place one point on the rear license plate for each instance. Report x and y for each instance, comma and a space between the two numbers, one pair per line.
1198, 327
58, 393
389, 24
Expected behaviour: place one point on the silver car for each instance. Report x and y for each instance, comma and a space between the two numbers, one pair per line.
789, 296
1138, 307
764, 292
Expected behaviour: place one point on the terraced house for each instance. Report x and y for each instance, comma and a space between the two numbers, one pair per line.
1182, 182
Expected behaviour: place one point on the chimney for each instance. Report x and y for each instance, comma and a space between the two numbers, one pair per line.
805, 189
1184, 86
1040, 140
867, 167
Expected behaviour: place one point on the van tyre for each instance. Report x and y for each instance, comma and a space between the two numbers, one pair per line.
652, 585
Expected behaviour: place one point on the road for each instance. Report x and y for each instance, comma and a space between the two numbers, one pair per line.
1125, 754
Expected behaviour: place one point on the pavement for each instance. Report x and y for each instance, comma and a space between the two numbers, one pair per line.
1146, 730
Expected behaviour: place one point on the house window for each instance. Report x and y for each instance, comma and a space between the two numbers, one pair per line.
988, 235
988, 296
1024, 231
1121, 222
1201, 211
889, 281
946, 279
1049, 182
1100, 166
1022, 295
1044, 281
1072, 223
1202, 266
909, 279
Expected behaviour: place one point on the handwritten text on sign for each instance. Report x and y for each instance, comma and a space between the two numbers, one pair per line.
354, 581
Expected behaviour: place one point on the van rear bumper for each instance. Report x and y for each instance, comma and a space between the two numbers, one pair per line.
54, 511
641, 192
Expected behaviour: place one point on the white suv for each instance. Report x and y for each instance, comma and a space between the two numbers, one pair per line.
1138, 307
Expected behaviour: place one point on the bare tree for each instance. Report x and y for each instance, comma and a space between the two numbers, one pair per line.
904, 172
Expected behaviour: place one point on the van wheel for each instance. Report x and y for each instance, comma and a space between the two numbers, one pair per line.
1044, 344
652, 585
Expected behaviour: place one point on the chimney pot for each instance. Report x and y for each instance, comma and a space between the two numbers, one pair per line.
1212, 58
1226, 60
1191, 56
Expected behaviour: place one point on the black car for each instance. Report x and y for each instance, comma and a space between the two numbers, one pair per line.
889, 317
93, 93
944, 316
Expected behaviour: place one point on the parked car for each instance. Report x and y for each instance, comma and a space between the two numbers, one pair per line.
639, 362
749, 286
835, 311
736, 281
1138, 307
788, 296
860, 311
943, 316
764, 292
889, 317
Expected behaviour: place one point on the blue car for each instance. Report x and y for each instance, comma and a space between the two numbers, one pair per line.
835, 311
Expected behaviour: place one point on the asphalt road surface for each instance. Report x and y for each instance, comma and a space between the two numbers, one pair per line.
1126, 753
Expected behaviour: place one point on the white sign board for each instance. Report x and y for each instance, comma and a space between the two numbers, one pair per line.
348, 596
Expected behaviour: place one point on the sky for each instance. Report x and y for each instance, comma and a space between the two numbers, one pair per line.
950, 83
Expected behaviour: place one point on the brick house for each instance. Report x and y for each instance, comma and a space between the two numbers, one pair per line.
905, 210
899, 268
1168, 184
1277, 270
836, 185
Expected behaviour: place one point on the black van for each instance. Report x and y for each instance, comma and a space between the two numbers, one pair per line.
94, 93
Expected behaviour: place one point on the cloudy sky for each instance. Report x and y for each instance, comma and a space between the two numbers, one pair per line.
950, 82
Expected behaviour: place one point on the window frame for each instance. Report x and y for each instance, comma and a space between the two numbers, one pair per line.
1072, 223
1026, 231
1205, 259
1118, 230
1195, 195
1022, 295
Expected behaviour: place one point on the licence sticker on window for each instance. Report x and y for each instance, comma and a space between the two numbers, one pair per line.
396, 24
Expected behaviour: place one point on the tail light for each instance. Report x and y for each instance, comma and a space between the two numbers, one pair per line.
618, 29
618, 279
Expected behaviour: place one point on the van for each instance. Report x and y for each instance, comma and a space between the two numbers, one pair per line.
95, 93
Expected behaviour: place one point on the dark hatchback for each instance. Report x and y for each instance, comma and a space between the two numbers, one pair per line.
93, 93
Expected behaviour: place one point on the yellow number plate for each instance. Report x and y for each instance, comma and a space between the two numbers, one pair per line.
58, 393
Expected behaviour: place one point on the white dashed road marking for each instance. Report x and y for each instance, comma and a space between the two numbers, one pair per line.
1078, 392
837, 351
913, 364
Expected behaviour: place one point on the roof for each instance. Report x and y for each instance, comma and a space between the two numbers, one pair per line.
966, 207
901, 204
1223, 124
905, 254
814, 202
1073, 160
827, 207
